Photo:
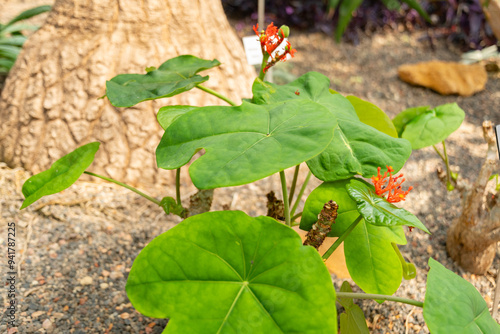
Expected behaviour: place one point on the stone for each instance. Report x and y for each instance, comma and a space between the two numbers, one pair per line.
47, 324
87, 280
445, 77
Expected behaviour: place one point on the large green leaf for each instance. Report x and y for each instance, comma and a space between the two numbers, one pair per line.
173, 77
371, 260
245, 143
357, 148
373, 116
62, 174
353, 320
335, 191
453, 305
377, 210
225, 272
429, 127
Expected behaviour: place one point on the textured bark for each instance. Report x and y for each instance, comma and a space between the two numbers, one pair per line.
50, 106
491, 9
319, 231
473, 237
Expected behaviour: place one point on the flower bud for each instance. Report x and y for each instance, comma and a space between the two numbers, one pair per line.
284, 31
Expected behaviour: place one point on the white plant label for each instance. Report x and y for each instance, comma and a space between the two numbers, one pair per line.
252, 50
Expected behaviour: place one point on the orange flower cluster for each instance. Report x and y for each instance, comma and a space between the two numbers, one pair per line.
393, 188
270, 39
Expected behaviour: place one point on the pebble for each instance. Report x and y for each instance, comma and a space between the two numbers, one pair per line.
116, 275
87, 280
104, 286
47, 324
124, 315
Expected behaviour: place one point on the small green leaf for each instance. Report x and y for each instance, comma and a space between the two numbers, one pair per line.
373, 116
346, 303
173, 77
423, 127
353, 320
409, 269
61, 175
226, 272
453, 305
9, 51
346, 9
16, 28
244, 143
377, 211
14, 40
170, 205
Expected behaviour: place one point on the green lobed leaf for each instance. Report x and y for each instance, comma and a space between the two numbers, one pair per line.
377, 210
356, 149
453, 305
61, 175
431, 126
226, 272
245, 143
175, 76
373, 116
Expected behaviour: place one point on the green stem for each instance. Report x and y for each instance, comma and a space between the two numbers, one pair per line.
440, 154
262, 74
355, 295
294, 183
285, 198
149, 198
337, 242
296, 216
301, 192
214, 93
447, 162
178, 186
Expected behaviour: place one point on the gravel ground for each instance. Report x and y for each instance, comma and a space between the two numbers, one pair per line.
75, 248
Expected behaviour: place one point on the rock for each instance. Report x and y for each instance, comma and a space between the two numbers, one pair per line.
445, 77
87, 280
116, 275
124, 315
104, 286
47, 324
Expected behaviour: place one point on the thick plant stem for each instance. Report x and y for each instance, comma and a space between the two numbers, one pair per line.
285, 198
337, 242
355, 295
214, 93
296, 216
294, 184
154, 200
178, 186
318, 232
301, 192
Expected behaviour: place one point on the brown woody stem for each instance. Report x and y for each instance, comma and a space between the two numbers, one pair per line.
326, 218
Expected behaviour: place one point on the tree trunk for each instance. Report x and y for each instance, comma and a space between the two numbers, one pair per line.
473, 237
50, 104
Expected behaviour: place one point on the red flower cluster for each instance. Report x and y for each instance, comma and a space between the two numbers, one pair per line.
393, 188
270, 39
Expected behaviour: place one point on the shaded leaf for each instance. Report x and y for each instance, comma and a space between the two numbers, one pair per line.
62, 174
175, 76
403, 118
373, 116
377, 210
453, 305
168, 114
245, 143
225, 272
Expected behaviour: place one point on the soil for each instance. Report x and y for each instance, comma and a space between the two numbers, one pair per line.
75, 248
